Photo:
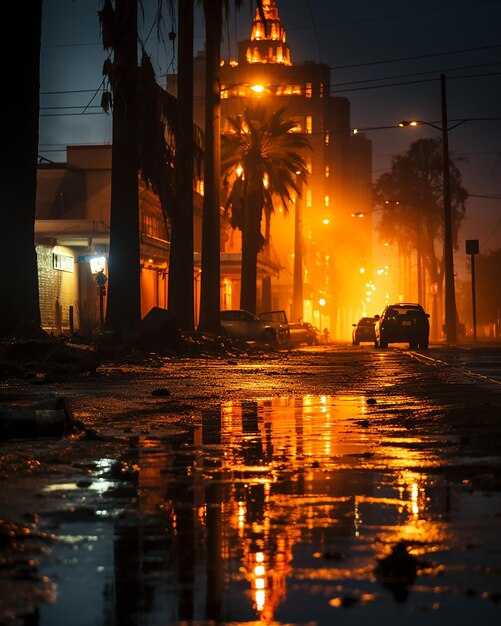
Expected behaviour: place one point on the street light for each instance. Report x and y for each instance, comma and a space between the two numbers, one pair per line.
450, 296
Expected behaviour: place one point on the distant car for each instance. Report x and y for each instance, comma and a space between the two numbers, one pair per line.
363, 331
245, 326
303, 332
402, 323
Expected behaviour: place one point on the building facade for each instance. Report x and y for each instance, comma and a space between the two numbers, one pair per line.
72, 240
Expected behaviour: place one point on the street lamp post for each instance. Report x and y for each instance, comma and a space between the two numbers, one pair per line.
450, 296
297, 296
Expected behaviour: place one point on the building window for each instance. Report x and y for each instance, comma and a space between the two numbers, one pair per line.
309, 166
327, 138
308, 198
151, 226
289, 90
309, 124
327, 171
308, 90
62, 262
326, 201
321, 90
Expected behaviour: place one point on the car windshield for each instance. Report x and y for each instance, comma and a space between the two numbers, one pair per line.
366, 321
278, 317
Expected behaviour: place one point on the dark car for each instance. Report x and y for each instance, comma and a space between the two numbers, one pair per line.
402, 323
245, 326
303, 332
363, 331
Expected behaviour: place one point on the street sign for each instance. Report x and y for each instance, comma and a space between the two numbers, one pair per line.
472, 249
472, 246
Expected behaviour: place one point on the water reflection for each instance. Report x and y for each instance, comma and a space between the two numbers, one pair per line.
277, 511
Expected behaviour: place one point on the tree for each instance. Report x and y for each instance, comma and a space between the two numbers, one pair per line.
157, 130
119, 33
20, 310
210, 263
411, 199
181, 269
269, 154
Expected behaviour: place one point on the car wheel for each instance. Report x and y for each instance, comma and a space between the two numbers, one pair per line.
270, 336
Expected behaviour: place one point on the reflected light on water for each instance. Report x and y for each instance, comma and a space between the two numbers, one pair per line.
280, 506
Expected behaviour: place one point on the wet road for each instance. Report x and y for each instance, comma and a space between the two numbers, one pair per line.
337, 485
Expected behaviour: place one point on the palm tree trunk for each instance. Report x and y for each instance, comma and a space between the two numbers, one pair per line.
250, 247
124, 300
210, 279
18, 263
181, 269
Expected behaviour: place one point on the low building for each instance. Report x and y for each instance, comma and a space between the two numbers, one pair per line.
72, 236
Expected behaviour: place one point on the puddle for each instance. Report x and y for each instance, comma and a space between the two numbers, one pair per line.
275, 512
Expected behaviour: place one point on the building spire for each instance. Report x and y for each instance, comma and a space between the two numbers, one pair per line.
268, 41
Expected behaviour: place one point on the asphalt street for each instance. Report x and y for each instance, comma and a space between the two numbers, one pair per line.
328, 484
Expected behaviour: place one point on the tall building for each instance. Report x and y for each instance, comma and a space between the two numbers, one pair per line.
335, 245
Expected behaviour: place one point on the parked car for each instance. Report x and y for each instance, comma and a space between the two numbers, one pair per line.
278, 318
402, 323
363, 331
245, 326
303, 332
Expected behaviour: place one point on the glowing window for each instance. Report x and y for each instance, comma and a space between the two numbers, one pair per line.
309, 165
327, 138
308, 198
326, 200
308, 91
321, 90
327, 171
309, 124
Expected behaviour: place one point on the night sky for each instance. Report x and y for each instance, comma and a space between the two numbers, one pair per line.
386, 57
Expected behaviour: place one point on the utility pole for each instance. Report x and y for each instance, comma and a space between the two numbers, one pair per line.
450, 296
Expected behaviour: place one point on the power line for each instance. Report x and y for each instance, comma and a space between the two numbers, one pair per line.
413, 58
413, 82
449, 69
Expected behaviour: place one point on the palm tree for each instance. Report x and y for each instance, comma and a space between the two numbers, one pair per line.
210, 263
262, 144
119, 33
18, 263
181, 269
